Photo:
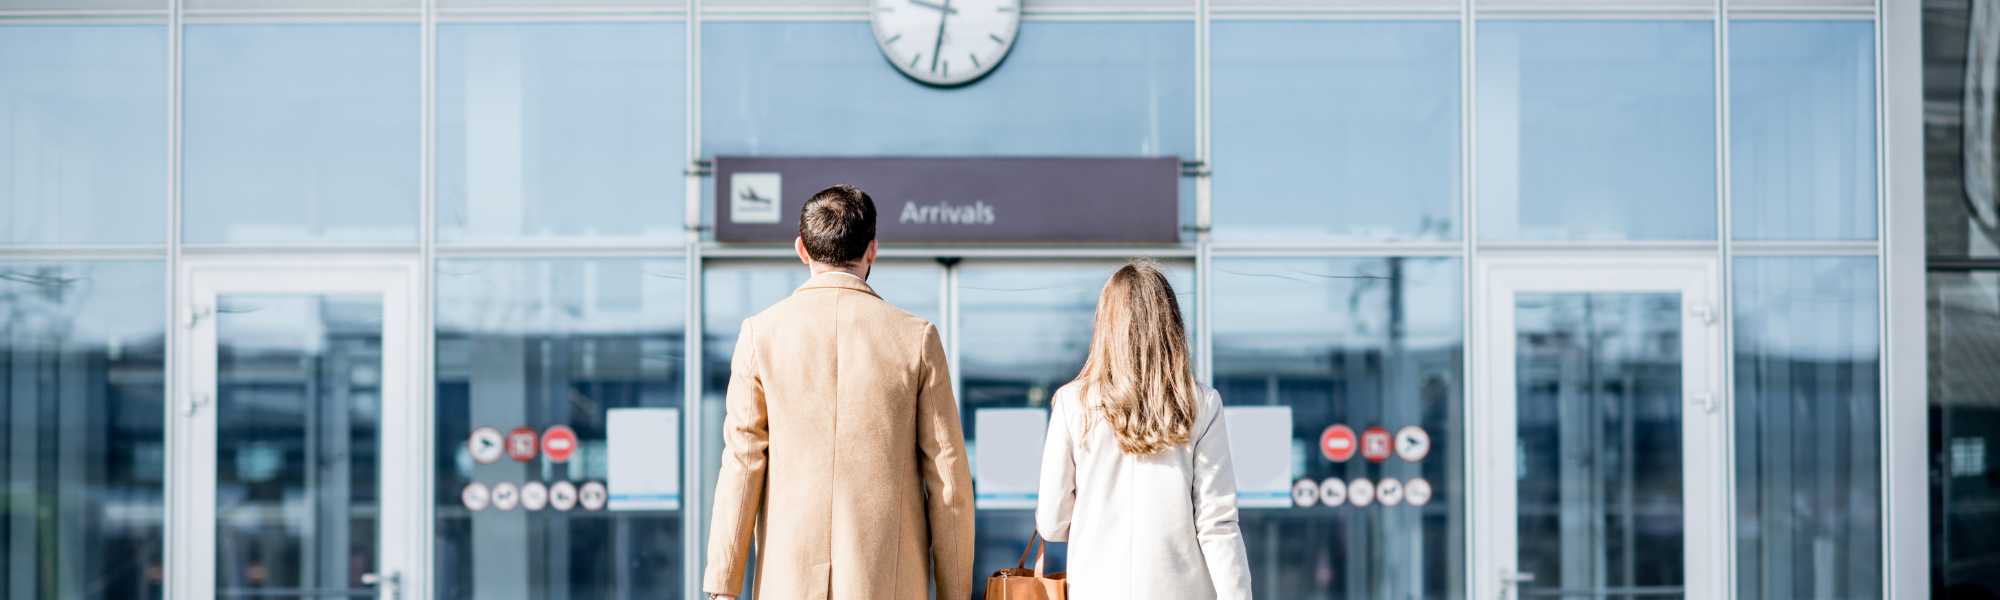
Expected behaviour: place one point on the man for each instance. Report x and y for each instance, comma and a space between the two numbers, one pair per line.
842, 449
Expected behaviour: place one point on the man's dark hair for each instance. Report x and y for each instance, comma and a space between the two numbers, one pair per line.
837, 224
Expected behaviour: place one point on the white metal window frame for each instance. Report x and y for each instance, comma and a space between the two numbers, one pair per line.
405, 485
1704, 438
1898, 247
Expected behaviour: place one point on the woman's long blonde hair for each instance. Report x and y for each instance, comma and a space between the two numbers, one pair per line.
1138, 373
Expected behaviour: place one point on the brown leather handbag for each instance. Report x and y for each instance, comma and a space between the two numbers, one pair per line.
1022, 583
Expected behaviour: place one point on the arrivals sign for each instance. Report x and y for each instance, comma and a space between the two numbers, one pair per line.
952, 200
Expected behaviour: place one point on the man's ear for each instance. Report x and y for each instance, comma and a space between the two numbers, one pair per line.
799, 246
873, 245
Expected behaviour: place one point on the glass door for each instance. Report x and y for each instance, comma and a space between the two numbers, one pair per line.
297, 475
1598, 431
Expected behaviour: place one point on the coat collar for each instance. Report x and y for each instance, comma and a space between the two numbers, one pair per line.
838, 280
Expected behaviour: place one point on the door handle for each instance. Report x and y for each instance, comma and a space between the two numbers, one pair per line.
194, 404
1510, 583
391, 583
1704, 401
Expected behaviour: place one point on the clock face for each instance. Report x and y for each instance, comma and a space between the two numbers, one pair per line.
946, 42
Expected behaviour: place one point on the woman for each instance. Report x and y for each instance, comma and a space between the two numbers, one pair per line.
1135, 471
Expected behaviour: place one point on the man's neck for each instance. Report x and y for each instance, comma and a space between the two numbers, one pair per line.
820, 269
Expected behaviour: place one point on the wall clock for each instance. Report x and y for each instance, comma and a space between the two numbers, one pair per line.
946, 42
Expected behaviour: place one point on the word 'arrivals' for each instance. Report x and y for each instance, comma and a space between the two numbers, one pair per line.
946, 213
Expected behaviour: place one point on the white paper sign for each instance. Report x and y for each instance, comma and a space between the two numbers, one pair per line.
1260, 447
645, 462
1007, 466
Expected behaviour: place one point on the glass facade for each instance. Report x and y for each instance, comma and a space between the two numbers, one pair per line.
1962, 251
551, 131
1596, 130
85, 134
301, 133
83, 429
540, 343
1808, 422
1352, 172
1340, 130
1356, 342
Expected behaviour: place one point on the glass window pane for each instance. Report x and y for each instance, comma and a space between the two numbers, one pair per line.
541, 343
82, 429
1961, 42
82, 4
561, 130
1802, 130
1965, 433
1025, 332
301, 133
1600, 501
732, 292
281, 5
298, 426
451, 4
1596, 130
1336, 130
1808, 464
84, 134
1114, 89
1359, 342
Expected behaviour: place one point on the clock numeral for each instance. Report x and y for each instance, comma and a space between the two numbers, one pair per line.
914, 59
975, 60
892, 39
996, 38
947, 69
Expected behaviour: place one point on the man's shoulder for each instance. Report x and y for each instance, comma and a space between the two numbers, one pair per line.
881, 316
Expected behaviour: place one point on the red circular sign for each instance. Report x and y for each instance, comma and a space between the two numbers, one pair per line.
1336, 443
1376, 445
521, 444
558, 443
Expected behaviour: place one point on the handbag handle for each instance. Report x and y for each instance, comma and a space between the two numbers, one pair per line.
1041, 555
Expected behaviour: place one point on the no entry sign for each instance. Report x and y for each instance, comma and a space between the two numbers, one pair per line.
559, 443
1337, 443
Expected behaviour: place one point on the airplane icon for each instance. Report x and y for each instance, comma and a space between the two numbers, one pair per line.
750, 195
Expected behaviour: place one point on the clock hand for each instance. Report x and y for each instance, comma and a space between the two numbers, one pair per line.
944, 12
935, 6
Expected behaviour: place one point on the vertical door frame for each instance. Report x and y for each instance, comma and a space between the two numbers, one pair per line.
1704, 431
404, 532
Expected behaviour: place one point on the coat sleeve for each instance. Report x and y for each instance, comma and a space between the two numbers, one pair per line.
1055, 501
947, 477
739, 487
1215, 508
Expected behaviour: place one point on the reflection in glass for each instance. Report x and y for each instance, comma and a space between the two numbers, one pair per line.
1360, 342
1594, 130
302, 133
1802, 130
560, 130
1601, 511
1026, 330
1961, 43
84, 134
1808, 464
82, 431
297, 443
1344, 130
732, 292
1965, 433
1119, 88
539, 343
81, 4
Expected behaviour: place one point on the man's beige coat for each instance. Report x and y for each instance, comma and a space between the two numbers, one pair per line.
842, 453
